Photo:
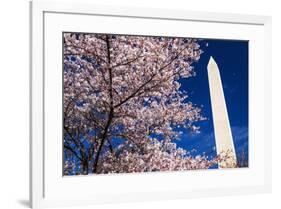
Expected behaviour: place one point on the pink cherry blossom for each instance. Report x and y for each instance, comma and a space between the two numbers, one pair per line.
122, 102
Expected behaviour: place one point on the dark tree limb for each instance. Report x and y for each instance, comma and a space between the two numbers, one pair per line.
111, 111
72, 151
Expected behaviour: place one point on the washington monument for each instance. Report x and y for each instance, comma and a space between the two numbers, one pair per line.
223, 135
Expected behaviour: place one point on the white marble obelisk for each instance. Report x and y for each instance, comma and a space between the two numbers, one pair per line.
223, 135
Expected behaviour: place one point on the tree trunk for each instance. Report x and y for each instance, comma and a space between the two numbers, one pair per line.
85, 167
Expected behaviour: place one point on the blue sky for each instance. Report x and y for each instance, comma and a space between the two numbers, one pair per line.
232, 59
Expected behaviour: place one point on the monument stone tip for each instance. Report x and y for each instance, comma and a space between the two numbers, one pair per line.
212, 65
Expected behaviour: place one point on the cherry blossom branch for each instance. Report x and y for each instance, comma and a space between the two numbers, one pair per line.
148, 81
111, 112
135, 93
72, 150
128, 62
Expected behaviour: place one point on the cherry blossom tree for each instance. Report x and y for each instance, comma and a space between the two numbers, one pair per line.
123, 103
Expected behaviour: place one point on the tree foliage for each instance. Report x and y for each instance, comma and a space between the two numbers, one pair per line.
123, 105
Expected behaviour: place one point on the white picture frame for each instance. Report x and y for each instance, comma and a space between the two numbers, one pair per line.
47, 187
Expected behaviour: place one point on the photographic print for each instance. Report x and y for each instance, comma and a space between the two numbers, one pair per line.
135, 104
